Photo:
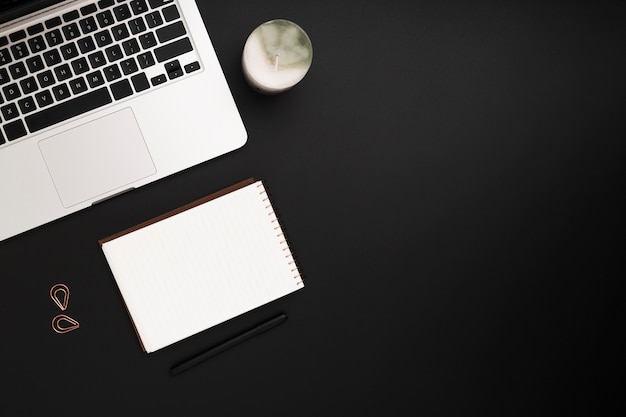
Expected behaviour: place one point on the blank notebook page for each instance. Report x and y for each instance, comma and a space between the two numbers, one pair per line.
202, 266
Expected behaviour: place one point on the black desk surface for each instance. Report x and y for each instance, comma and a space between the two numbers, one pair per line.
448, 174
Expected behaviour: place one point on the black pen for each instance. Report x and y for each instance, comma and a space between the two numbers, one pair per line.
201, 357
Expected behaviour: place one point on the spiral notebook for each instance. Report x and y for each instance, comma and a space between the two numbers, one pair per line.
202, 264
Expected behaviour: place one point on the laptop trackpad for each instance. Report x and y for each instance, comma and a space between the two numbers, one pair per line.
91, 160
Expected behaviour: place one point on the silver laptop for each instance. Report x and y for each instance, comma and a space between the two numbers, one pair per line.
101, 97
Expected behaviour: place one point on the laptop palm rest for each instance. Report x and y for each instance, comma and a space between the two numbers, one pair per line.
91, 160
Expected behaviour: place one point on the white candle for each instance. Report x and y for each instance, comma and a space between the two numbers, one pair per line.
277, 55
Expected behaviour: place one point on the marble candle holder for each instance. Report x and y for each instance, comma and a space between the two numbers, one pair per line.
276, 56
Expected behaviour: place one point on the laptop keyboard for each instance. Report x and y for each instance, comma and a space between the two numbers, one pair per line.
88, 58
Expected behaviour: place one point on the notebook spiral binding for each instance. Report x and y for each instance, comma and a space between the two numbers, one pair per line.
280, 235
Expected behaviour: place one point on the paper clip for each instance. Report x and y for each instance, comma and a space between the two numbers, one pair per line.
63, 324
60, 294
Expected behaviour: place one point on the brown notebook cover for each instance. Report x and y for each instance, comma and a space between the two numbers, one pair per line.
180, 209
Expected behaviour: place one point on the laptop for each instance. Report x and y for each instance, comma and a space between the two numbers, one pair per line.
101, 97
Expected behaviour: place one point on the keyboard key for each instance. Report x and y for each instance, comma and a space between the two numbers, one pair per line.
4, 77
54, 22
145, 60
103, 4
171, 13
121, 89
44, 98
35, 29
105, 18
17, 36
194, 66
15, 130
37, 44
86, 44
19, 50
159, 79
90, 8
9, 111
147, 40
27, 105
112, 73
114, 53
172, 65
2, 140
120, 32
88, 25
95, 79
63, 72
11, 92
71, 108
172, 50
52, 57
173, 31
54, 38
5, 56
69, 16
129, 66
71, 31
29, 85
80, 65
103, 38
34, 64
97, 59
136, 26
140, 82
78, 85
69, 51
122, 12
60, 92
46, 79
139, 6
18, 70
131, 46
4, 41
154, 19
175, 73
158, 3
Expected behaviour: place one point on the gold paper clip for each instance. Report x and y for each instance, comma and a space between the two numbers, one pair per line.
64, 324
60, 294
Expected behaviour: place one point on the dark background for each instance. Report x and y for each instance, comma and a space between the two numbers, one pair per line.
449, 175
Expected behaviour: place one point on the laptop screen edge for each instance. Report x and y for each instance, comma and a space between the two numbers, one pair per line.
11, 10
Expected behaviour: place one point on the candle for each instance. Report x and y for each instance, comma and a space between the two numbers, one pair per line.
277, 55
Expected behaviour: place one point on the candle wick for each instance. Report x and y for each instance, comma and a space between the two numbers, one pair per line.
276, 64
